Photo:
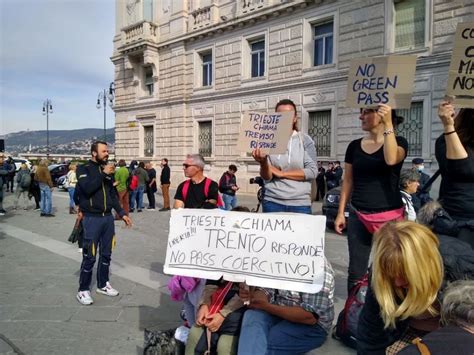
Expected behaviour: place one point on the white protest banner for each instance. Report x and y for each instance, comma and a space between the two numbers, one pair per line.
284, 251
267, 131
381, 80
461, 70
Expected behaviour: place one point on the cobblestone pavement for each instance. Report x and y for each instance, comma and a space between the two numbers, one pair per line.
39, 278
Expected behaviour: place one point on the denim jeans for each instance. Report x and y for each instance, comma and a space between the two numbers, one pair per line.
71, 196
133, 197
229, 201
46, 201
268, 206
263, 333
98, 235
359, 242
140, 192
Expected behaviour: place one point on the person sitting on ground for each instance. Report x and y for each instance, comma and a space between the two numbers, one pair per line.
223, 327
457, 316
407, 278
409, 182
286, 322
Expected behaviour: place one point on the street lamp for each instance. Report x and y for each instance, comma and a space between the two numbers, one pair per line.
47, 109
103, 95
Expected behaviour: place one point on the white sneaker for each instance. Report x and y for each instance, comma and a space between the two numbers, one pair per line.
108, 290
84, 297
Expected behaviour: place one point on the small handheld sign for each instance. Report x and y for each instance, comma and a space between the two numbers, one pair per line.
461, 70
268, 131
381, 80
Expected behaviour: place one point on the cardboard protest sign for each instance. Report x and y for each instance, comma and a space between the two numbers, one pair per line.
381, 80
461, 70
284, 251
267, 131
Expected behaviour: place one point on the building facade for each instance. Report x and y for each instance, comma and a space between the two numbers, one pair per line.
186, 70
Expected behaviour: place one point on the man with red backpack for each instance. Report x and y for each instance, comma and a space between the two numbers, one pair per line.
228, 187
198, 191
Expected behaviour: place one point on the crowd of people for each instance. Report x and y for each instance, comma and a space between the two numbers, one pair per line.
418, 253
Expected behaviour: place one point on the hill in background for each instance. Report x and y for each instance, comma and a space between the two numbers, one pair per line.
75, 141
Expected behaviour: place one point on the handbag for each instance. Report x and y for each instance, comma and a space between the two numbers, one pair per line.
374, 221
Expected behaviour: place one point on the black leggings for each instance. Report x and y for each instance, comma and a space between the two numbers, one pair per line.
359, 241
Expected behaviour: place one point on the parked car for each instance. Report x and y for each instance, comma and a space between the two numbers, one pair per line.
331, 206
19, 161
61, 182
56, 171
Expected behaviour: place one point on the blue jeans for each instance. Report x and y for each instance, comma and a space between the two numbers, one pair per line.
71, 196
268, 206
46, 203
140, 192
98, 235
132, 198
263, 333
229, 201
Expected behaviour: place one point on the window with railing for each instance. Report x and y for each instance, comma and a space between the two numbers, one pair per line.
412, 128
257, 56
319, 128
323, 43
206, 69
205, 138
148, 141
409, 24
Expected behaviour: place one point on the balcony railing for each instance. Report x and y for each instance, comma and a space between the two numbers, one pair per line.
247, 6
141, 31
201, 17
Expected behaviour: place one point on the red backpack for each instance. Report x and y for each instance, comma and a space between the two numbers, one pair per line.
207, 184
133, 183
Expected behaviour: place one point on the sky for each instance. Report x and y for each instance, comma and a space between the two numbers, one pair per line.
58, 50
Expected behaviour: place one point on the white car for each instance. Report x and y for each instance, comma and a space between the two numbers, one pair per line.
18, 161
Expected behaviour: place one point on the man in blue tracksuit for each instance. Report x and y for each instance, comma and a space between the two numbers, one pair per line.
96, 197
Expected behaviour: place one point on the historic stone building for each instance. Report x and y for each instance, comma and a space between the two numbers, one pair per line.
186, 70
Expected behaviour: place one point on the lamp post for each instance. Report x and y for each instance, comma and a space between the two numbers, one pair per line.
47, 109
103, 95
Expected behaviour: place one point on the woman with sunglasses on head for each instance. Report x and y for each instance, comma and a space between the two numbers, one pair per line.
371, 174
455, 156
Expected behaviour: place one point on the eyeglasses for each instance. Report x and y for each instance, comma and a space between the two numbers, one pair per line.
185, 166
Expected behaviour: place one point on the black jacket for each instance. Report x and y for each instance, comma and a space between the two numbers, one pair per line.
226, 182
372, 338
96, 194
165, 175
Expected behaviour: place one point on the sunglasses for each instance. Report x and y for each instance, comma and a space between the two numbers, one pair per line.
185, 166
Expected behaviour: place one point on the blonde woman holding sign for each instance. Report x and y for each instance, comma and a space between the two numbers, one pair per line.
371, 174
